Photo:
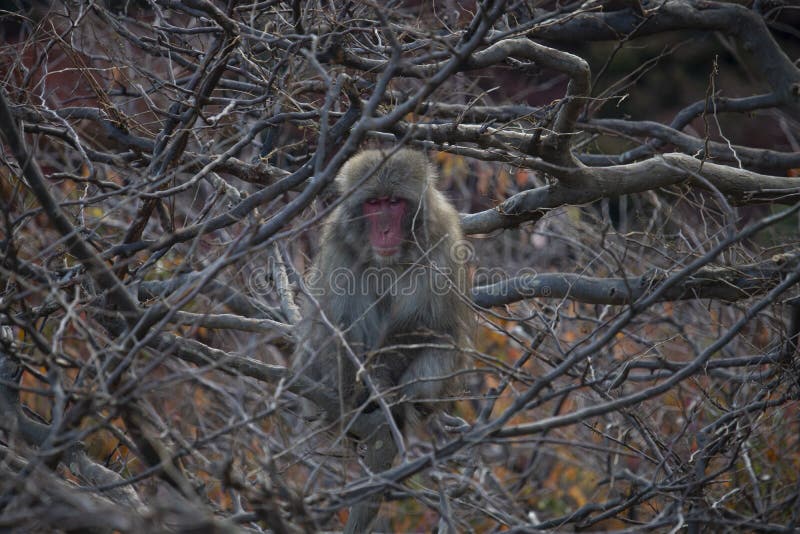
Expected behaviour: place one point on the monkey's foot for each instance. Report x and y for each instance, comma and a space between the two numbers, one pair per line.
453, 424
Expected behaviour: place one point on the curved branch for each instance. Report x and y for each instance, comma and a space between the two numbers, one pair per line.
759, 159
679, 122
740, 186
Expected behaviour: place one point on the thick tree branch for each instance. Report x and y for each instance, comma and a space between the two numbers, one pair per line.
729, 283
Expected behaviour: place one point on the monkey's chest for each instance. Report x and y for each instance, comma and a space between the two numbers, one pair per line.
374, 318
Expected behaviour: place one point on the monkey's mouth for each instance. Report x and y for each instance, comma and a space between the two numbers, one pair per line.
386, 251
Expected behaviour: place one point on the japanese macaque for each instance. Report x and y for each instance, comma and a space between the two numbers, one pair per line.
388, 313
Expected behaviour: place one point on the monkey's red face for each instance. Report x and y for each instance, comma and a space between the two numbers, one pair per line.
385, 220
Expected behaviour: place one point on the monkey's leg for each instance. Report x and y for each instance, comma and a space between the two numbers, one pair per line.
380, 452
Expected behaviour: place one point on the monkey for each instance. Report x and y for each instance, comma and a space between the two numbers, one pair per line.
390, 277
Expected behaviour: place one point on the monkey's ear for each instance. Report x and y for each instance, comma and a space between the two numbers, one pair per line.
340, 183
433, 173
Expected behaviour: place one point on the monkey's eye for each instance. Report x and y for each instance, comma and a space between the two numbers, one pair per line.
373, 201
394, 201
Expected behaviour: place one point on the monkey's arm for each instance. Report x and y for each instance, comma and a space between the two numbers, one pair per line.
428, 384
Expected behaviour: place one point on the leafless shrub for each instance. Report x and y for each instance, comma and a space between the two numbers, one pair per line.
629, 168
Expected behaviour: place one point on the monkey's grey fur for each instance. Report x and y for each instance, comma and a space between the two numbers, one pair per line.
391, 328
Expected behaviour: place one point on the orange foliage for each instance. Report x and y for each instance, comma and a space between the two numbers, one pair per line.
484, 179
521, 178
451, 165
503, 181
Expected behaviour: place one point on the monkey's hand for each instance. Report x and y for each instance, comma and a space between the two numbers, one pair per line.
362, 399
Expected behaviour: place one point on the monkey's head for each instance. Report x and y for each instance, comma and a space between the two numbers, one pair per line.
387, 202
